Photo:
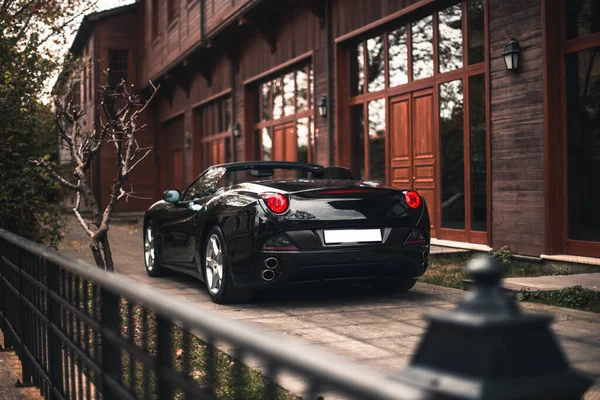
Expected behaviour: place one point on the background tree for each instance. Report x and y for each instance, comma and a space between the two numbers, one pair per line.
32, 34
118, 128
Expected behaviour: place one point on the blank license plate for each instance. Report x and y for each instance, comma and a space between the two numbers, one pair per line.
352, 236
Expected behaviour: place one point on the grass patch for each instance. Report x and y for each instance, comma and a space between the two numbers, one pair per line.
575, 297
449, 269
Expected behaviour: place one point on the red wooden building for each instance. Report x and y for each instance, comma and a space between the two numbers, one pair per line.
417, 94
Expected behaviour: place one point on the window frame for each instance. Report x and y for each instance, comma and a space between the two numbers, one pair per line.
438, 78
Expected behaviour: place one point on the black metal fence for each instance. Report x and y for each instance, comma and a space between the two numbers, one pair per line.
81, 333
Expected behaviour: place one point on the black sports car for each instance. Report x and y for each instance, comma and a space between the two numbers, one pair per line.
250, 225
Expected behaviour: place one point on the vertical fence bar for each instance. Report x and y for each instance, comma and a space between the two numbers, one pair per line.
164, 357
145, 346
55, 368
111, 353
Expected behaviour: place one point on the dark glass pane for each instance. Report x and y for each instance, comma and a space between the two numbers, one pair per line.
357, 141
422, 48
583, 144
277, 99
452, 155
265, 94
288, 94
302, 136
476, 33
227, 116
357, 69
302, 88
582, 17
450, 38
375, 68
228, 150
376, 114
267, 143
398, 57
478, 141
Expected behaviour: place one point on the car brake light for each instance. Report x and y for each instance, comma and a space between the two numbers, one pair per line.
277, 203
412, 199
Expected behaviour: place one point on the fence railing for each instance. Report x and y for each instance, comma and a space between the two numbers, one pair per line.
81, 333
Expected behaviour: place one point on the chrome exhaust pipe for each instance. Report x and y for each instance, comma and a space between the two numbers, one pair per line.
268, 275
425, 255
271, 263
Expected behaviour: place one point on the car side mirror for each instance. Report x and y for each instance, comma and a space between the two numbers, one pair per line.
171, 195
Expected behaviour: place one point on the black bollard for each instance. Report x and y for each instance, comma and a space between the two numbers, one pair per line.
487, 349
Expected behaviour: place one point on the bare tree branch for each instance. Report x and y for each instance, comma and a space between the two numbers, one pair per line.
55, 175
82, 222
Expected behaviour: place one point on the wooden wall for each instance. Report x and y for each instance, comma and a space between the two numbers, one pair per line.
115, 34
348, 18
517, 121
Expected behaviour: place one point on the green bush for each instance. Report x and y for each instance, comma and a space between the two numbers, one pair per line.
575, 297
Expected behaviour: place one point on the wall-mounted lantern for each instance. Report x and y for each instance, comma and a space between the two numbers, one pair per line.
237, 130
323, 107
188, 141
511, 55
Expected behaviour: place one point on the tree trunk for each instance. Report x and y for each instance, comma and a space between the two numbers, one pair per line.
97, 252
108, 260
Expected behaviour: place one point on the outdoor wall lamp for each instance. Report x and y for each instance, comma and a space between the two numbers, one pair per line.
188, 141
237, 130
511, 55
323, 107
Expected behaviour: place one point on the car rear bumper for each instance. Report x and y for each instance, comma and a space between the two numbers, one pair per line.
334, 265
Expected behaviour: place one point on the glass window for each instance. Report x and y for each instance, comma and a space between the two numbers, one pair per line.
289, 94
357, 69
311, 86
277, 99
398, 57
117, 67
476, 32
267, 144
302, 139
452, 155
265, 93
357, 140
583, 144
581, 17
478, 144
422, 48
302, 90
376, 112
450, 38
375, 69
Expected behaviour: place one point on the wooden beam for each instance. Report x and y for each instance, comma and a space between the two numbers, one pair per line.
267, 30
318, 8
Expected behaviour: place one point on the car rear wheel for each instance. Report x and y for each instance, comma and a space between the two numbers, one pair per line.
395, 286
217, 272
153, 267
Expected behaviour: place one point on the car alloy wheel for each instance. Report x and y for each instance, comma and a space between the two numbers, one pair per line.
149, 248
214, 264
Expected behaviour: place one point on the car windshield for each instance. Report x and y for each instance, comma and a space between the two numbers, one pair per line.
221, 177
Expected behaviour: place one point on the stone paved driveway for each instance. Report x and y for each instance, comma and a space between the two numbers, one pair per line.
380, 331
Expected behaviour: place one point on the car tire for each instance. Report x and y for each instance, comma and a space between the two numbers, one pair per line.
216, 269
395, 286
153, 267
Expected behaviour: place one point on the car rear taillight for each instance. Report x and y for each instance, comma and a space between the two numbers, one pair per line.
276, 202
412, 199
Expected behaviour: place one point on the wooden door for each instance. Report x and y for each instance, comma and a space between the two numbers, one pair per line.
423, 151
412, 154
